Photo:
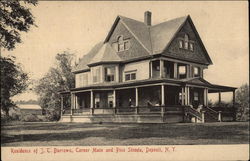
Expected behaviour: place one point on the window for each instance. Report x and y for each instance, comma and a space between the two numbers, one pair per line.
196, 96
96, 75
130, 76
109, 74
191, 46
110, 99
196, 71
122, 44
126, 45
188, 44
97, 100
182, 71
181, 44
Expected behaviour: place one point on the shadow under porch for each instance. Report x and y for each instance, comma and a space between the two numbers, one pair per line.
135, 104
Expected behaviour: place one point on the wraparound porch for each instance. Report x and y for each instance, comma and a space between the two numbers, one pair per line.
162, 100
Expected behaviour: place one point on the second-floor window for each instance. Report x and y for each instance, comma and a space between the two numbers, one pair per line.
96, 75
182, 71
109, 74
130, 76
196, 71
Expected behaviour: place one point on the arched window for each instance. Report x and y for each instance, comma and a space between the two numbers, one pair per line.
186, 41
122, 44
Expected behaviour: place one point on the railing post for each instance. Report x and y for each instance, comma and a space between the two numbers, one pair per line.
162, 112
137, 110
219, 116
202, 116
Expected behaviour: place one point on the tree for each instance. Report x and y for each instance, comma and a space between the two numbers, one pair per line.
57, 79
242, 99
13, 82
15, 18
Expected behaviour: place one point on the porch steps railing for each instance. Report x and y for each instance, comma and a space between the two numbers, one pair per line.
212, 115
190, 111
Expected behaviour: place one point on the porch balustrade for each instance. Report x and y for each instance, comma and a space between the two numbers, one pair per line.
126, 110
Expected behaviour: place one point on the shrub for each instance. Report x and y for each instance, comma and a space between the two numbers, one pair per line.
30, 118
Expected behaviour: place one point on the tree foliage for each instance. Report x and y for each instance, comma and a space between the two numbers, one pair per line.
15, 18
13, 81
242, 99
57, 79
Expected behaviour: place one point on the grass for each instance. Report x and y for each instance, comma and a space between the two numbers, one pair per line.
73, 134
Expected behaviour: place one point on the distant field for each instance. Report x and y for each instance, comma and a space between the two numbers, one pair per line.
52, 134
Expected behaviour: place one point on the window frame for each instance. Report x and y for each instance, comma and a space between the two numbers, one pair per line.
111, 76
128, 75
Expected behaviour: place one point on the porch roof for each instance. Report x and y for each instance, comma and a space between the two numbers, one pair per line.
212, 88
200, 82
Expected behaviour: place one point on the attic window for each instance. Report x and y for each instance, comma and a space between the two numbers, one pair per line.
186, 43
122, 44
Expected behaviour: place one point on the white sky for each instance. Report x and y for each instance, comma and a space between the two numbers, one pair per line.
78, 25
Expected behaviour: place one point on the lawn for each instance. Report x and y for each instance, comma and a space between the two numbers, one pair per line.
62, 134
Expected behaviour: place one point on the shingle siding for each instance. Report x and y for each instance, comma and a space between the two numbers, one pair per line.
198, 55
136, 50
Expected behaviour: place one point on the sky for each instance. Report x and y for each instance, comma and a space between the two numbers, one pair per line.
78, 25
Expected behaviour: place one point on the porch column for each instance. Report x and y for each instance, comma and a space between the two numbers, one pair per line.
162, 95
76, 102
182, 96
235, 111
91, 101
219, 98
233, 98
175, 70
72, 102
161, 68
205, 96
186, 95
136, 97
61, 105
151, 69
162, 102
114, 98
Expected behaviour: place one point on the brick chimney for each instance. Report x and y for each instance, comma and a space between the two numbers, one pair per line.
147, 18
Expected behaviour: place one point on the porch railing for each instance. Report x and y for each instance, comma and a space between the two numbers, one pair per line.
127, 110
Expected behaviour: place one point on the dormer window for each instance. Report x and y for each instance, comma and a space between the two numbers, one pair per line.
122, 44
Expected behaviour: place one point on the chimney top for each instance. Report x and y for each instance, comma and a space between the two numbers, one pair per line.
147, 18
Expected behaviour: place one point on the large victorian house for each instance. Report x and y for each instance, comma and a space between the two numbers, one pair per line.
145, 73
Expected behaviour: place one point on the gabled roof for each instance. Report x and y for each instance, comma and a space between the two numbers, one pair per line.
155, 39
137, 28
105, 54
82, 65
197, 81
163, 33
